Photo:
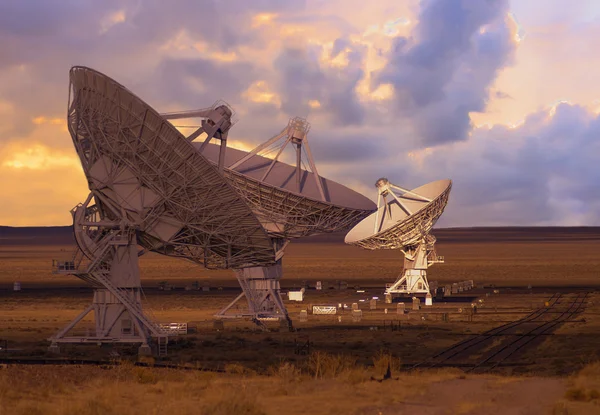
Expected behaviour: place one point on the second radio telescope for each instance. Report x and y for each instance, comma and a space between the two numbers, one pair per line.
403, 220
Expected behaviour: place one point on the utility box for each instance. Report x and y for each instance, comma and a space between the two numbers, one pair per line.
356, 315
416, 304
296, 295
388, 298
373, 304
428, 300
354, 306
319, 285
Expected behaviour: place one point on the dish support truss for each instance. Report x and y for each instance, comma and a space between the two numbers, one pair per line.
216, 123
261, 287
296, 133
107, 258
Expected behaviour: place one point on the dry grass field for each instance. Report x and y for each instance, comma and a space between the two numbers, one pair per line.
264, 375
326, 385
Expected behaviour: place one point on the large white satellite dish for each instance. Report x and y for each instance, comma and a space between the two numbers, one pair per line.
404, 222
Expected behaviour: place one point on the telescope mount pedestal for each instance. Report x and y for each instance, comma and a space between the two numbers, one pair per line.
260, 286
110, 265
417, 259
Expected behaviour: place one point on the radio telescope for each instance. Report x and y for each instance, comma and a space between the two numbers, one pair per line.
290, 201
150, 186
404, 222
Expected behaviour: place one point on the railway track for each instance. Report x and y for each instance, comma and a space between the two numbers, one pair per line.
497, 357
514, 337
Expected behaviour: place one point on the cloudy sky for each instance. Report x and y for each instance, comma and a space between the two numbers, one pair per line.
502, 97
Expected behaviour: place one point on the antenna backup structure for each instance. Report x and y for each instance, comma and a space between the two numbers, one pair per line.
403, 220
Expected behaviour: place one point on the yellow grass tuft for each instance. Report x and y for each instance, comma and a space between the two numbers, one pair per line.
324, 365
382, 360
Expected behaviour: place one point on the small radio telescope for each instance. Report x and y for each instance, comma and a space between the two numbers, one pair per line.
403, 222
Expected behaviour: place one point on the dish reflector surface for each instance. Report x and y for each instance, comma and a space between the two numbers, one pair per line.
284, 212
395, 226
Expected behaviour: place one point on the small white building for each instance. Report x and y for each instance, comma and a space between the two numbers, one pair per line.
296, 295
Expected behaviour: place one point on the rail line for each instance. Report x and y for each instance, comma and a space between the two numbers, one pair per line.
506, 351
474, 344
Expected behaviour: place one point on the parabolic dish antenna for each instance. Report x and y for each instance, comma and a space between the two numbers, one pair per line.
290, 201
404, 222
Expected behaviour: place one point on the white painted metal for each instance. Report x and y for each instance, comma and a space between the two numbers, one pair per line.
404, 223
108, 260
324, 309
286, 208
260, 286
216, 123
151, 187
140, 167
175, 328
269, 187
147, 177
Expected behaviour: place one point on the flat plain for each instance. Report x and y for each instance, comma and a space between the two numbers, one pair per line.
516, 271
